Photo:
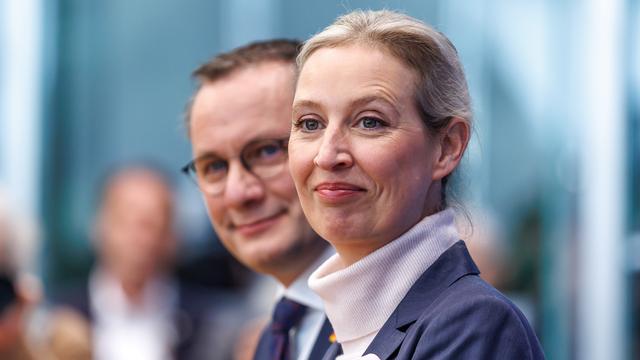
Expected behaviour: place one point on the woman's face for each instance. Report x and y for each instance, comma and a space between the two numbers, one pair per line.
361, 158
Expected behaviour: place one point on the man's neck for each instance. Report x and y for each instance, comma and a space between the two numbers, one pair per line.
134, 291
133, 287
302, 265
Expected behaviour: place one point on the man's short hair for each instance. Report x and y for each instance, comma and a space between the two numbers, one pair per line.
225, 64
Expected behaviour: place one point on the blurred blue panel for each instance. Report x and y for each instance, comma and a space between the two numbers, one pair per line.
245, 21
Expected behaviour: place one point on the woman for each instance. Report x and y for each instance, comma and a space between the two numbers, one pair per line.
381, 118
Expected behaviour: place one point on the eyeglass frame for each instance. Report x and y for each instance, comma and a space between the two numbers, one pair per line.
190, 168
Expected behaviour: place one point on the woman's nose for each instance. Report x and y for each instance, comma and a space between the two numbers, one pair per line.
334, 152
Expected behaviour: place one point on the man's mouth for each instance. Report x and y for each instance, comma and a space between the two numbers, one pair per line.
254, 227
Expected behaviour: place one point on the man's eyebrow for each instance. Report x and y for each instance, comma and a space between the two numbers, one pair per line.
207, 155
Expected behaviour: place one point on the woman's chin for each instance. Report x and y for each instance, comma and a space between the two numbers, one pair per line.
339, 238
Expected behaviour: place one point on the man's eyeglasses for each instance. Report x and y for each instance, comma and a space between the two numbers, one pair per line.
263, 158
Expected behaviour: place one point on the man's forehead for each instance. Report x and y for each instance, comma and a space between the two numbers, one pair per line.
242, 90
256, 74
136, 183
245, 96
228, 114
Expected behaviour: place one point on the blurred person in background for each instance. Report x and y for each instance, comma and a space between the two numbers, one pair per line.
238, 123
19, 287
486, 245
137, 310
498, 265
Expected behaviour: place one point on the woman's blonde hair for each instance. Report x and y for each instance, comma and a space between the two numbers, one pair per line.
441, 88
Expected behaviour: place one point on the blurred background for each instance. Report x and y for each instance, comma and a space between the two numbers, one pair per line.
551, 180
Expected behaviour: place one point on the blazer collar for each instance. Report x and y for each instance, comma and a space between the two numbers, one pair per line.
322, 341
450, 266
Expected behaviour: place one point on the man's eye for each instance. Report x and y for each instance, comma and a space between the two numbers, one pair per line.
213, 168
266, 152
269, 150
370, 123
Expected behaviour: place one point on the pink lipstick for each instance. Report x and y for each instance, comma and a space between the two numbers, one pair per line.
337, 192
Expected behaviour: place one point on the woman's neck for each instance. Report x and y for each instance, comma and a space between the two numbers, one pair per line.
361, 296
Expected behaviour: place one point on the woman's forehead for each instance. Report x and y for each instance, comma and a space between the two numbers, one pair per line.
365, 75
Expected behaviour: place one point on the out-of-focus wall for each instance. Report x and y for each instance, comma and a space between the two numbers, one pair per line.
122, 80
21, 101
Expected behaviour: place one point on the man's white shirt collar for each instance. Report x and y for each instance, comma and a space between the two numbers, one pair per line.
299, 290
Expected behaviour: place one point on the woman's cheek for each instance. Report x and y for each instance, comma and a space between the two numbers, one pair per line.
300, 162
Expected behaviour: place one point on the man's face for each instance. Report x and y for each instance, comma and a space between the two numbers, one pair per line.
135, 227
260, 221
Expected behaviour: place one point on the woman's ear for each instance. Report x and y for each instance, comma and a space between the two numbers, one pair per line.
453, 142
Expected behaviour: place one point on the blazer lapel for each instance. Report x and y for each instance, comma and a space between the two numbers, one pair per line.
322, 341
319, 348
332, 352
387, 341
450, 266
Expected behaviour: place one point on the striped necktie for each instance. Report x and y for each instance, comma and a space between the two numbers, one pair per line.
286, 315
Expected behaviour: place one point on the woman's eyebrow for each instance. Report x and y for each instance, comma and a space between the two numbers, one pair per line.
299, 104
366, 100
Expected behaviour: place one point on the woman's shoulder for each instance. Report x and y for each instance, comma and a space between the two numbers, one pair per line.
473, 318
472, 289
471, 299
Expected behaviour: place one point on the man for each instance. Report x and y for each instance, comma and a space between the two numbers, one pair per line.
238, 123
135, 307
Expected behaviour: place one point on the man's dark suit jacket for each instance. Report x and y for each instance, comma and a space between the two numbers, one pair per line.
450, 313
189, 315
320, 345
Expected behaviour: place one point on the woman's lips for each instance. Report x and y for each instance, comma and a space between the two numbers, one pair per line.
256, 227
337, 192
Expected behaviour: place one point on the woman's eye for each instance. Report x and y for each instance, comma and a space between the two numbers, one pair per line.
370, 123
310, 124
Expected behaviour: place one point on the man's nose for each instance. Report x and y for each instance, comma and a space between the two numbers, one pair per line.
242, 187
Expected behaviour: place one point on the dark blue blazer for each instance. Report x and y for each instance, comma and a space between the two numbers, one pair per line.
320, 346
450, 313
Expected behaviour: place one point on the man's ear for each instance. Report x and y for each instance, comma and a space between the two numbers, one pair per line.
453, 141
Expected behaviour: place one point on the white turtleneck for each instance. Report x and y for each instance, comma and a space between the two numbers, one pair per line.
360, 298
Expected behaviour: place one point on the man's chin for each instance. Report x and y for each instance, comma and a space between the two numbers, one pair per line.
267, 260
